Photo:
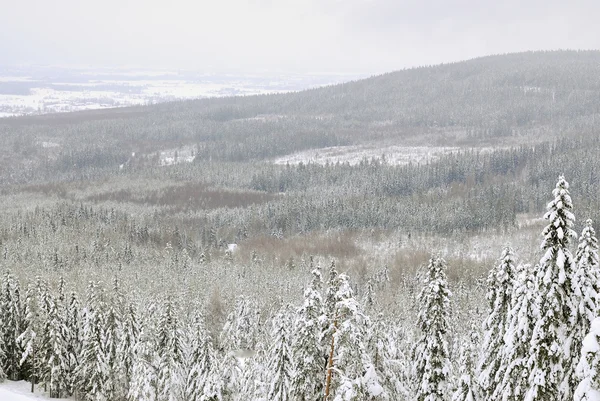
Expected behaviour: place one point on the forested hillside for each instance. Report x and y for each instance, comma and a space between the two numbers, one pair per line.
191, 250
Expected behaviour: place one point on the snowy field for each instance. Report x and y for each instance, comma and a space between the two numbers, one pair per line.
20, 391
396, 155
39, 90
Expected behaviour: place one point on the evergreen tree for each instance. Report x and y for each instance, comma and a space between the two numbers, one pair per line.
354, 376
307, 381
588, 369
129, 339
54, 351
12, 326
389, 366
500, 284
467, 388
280, 361
93, 370
585, 283
241, 328
231, 376
431, 369
28, 340
515, 352
73, 339
144, 374
202, 363
554, 300
170, 380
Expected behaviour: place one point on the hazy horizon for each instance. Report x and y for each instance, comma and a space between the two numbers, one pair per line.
326, 36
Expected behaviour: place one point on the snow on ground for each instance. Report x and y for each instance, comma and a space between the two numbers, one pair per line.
396, 155
184, 154
21, 391
102, 88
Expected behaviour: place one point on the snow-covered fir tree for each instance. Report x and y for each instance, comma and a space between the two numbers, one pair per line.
280, 358
521, 320
93, 371
231, 377
500, 284
431, 364
73, 339
28, 340
12, 326
588, 369
307, 382
557, 313
586, 286
144, 374
390, 367
54, 352
333, 286
353, 376
467, 389
129, 339
170, 380
203, 364
241, 328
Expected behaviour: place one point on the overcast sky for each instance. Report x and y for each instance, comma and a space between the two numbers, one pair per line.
358, 36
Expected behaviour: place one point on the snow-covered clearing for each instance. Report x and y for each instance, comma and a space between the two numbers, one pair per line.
21, 391
184, 154
354, 154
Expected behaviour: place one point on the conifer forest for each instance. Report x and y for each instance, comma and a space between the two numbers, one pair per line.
422, 235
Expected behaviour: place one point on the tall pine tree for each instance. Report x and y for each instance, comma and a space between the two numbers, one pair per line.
588, 369
585, 294
554, 301
307, 382
431, 364
500, 283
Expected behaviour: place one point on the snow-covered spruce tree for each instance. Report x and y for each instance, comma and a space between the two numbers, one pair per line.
307, 382
353, 376
128, 341
554, 301
2, 374
389, 367
500, 285
202, 364
12, 326
254, 383
231, 377
54, 351
588, 369
467, 387
522, 316
170, 380
333, 286
28, 340
144, 375
280, 358
585, 283
45, 302
431, 364
93, 371
241, 328
73, 339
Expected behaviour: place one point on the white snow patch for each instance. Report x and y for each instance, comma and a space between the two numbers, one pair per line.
354, 154
21, 391
184, 154
46, 144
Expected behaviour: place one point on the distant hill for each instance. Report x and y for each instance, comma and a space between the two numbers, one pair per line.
502, 100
